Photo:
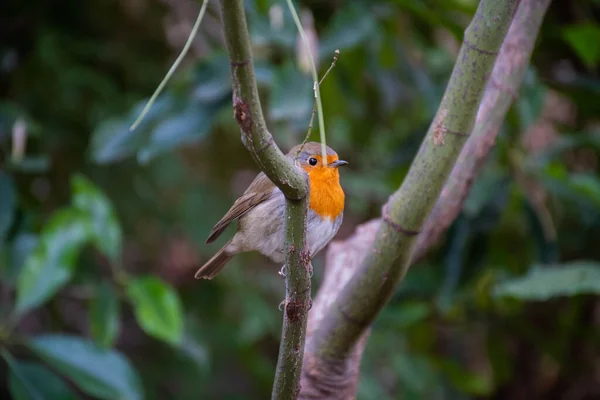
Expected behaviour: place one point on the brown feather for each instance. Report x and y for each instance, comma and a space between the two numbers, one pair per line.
259, 190
213, 266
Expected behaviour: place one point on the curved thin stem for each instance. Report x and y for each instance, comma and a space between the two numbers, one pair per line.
171, 71
315, 80
336, 55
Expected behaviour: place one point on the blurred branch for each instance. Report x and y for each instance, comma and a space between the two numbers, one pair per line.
292, 182
328, 374
336, 379
501, 91
406, 210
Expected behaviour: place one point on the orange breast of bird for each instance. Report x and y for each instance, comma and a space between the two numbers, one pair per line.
326, 194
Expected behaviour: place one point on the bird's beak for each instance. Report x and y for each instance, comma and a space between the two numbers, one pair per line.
338, 163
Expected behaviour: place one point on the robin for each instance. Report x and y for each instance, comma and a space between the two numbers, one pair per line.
260, 212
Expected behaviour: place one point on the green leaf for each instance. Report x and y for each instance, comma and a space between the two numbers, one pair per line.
543, 283
349, 28
98, 372
104, 315
112, 141
52, 263
188, 125
21, 247
587, 185
178, 117
531, 100
7, 205
193, 347
31, 164
32, 381
258, 319
157, 308
565, 143
584, 39
292, 97
265, 34
213, 79
475, 383
581, 187
401, 316
415, 372
107, 235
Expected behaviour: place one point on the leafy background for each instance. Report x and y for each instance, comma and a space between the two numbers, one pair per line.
101, 229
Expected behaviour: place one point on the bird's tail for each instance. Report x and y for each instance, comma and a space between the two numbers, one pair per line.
213, 266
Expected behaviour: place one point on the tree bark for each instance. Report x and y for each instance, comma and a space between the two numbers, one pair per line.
332, 356
292, 181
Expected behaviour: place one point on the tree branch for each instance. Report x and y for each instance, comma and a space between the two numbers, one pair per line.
502, 89
247, 109
338, 378
293, 183
406, 210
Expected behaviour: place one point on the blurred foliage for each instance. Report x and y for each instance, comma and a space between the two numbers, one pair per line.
101, 229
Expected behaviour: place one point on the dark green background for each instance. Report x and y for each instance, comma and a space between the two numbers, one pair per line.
502, 309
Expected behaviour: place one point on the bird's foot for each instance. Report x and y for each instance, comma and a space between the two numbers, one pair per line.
282, 271
281, 305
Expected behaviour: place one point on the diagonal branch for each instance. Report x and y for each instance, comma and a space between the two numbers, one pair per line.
338, 378
293, 183
388, 259
502, 89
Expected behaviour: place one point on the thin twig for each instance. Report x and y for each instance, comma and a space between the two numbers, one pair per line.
316, 84
292, 181
338, 379
171, 71
336, 56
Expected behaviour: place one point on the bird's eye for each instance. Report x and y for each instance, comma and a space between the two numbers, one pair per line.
312, 161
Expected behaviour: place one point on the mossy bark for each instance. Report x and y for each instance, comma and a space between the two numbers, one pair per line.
403, 216
292, 181
337, 377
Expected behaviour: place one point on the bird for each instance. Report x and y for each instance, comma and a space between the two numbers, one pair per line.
260, 212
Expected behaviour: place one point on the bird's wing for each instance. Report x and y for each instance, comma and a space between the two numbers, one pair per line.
259, 190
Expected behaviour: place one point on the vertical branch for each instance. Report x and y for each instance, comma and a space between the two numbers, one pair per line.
293, 183
248, 111
338, 378
297, 304
389, 257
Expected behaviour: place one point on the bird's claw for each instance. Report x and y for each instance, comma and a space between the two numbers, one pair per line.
281, 305
282, 272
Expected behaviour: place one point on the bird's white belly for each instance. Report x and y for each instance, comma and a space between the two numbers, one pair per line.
263, 230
